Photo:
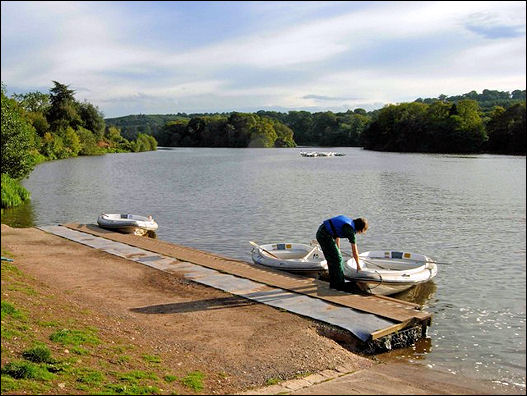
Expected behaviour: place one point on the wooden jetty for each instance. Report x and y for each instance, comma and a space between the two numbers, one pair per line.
379, 322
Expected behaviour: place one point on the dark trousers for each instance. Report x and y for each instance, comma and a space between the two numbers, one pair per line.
333, 257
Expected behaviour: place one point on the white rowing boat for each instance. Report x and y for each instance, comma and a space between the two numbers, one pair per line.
127, 223
386, 272
296, 258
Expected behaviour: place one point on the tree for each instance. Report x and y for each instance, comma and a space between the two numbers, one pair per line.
467, 129
71, 141
92, 118
39, 122
507, 130
144, 143
53, 147
172, 133
63, 110
33, 101
301, 122
262, 134
360, 111
284, 135
239, 132
88, 142
18, 139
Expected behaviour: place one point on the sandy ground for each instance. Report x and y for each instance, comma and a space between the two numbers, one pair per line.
194, 326
238, 344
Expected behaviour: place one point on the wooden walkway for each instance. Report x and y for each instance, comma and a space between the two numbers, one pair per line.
401, 314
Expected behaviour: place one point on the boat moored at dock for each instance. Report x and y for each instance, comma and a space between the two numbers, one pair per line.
127, 223
387, 272
297, 258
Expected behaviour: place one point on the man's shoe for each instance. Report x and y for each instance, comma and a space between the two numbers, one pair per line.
348, 287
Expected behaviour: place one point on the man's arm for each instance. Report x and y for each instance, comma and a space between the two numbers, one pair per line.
355, 252
337, 241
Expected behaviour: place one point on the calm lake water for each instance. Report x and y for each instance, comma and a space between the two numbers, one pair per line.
465, 211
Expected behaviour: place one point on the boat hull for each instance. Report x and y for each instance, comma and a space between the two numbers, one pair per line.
128, 224
390, 272
295, 258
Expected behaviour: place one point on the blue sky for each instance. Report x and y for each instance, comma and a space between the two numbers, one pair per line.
131, 57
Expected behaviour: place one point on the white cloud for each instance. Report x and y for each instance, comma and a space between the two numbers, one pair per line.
90, 45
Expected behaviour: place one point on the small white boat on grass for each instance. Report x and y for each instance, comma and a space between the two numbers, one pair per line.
386, 272
127, 223
296, 258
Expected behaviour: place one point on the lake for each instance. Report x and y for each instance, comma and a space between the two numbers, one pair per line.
466, 211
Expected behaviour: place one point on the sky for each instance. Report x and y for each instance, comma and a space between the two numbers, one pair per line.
165, 57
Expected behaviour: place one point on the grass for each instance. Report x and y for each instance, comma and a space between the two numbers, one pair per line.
151, 358
170, 378
13, 193
134, 376
74, 337
20, 369
272, 381
193, 380
9, 310
89, 376
48, 347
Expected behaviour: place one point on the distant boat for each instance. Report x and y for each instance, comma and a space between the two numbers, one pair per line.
386, 272
321, 154
297, 258
127, 223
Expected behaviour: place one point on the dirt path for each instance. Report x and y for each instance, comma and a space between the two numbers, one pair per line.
238, 344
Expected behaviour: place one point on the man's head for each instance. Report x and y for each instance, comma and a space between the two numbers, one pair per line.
361, 225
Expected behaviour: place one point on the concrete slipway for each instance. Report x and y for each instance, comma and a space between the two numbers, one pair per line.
374, 323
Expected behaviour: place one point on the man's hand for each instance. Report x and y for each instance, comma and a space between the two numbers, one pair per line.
355, 253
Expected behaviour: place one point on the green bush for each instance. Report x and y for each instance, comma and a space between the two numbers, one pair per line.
18, 139
26, 370
13, 193
38, 354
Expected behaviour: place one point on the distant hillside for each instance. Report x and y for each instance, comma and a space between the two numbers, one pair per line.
132, 125
486, 100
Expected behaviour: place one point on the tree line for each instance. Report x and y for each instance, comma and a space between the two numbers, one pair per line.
38, 127
236, 130
445, 127
493, 121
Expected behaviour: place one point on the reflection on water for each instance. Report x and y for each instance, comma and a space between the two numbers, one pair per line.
418, 351
22, 216
419, 294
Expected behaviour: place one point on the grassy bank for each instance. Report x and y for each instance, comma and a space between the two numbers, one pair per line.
49, 346
13, 193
